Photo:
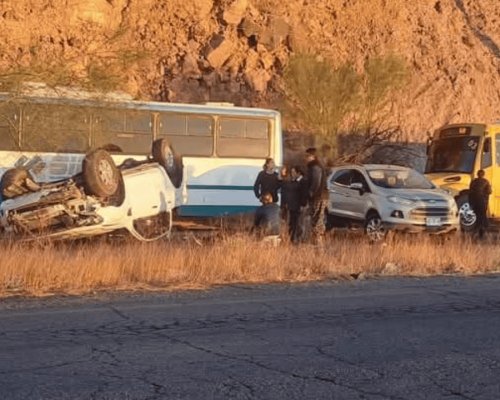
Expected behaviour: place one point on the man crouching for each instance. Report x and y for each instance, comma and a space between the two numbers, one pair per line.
267, 220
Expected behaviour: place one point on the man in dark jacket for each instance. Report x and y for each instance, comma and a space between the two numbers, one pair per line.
316, 190
267, 181
479, 192
296, 200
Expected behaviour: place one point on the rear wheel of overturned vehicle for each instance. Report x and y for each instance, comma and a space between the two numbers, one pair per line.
164, 154
374, 228
101, 176
466, 214
17, 181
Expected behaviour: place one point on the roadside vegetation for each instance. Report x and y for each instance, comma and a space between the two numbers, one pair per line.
344, 102
62, 268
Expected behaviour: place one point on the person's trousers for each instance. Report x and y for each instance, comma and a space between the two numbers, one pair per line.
317, 214
294, 228
481, 218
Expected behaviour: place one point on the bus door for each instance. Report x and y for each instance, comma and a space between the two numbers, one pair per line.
494, 179
487, 166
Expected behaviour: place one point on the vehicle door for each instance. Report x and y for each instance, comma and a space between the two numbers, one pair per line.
487, 166
357, 199
338, 189
494, 205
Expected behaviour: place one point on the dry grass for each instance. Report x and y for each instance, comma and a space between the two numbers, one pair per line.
90, 267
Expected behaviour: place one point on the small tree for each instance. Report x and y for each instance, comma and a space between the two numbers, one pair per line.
328, 100
321, 96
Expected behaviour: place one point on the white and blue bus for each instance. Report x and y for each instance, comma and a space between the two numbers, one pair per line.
223, 146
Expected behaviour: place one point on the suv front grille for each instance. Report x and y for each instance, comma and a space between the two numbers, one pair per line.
422, 213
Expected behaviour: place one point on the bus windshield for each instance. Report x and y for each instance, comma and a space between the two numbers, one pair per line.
452, 154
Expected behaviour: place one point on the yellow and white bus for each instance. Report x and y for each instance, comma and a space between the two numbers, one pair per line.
223, 146
454, 155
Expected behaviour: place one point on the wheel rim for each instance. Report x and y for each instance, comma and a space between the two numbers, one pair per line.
375, 229
106, 173
170, 160
467, 215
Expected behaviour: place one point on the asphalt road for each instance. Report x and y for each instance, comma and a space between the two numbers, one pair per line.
375, 339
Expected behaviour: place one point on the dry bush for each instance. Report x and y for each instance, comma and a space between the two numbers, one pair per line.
87, 268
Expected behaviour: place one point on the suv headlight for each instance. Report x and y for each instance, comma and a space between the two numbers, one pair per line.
400, 200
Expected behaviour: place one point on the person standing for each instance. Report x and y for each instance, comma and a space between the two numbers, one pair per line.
296, 190
316, 191
285, 178
267, 181
479, 193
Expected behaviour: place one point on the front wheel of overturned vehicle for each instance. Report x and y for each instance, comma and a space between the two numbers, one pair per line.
101, 176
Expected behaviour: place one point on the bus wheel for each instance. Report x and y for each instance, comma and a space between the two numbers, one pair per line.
466, 213
101, 176
15, 182
165, 155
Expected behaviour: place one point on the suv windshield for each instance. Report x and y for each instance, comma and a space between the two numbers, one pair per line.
452, 154
399, 179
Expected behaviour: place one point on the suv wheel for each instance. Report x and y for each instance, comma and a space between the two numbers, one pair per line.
374, 227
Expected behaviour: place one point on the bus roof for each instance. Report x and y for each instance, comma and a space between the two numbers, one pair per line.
120, 102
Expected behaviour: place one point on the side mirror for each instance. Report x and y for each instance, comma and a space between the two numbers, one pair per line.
487, 146
357, 186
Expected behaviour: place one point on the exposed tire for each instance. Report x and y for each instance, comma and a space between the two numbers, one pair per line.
164, 154
153, 228
467, 216
100, 175
374, 228
15, 182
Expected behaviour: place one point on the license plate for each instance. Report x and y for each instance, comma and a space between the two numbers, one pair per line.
433, 221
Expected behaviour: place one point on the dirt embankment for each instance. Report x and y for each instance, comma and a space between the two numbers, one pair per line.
235, 50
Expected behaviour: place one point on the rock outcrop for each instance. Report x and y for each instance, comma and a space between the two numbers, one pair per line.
236, 50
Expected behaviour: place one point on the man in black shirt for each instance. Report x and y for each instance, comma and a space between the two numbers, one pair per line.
316, 185
296, 200
479, 192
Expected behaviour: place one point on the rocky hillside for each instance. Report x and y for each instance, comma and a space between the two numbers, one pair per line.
236, 50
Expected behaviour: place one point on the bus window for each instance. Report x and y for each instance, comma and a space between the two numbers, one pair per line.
243, 138
55, 128
9, 127
486, 159
138, 122
257, 129
497, 148
123, 131
189, 135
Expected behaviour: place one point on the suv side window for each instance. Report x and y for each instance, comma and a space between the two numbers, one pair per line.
342, 177
357, 177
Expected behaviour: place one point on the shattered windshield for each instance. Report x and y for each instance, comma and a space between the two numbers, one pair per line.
399, 179
452, 154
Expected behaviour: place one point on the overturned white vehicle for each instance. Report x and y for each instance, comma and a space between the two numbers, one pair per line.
138, 196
